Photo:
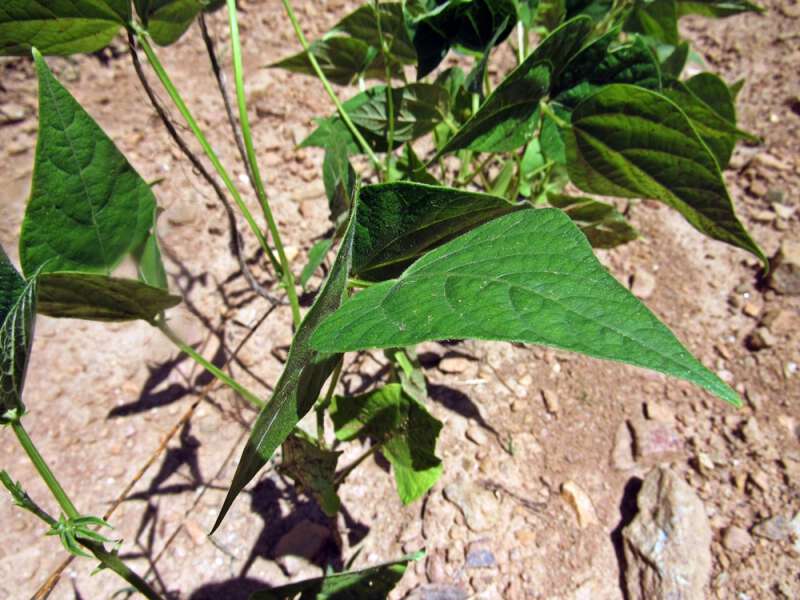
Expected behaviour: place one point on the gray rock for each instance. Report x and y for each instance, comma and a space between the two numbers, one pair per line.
737, 540
12, 113
437, 592
775, 529
670, 526
655, 442
785, 274
480, 556
478, 505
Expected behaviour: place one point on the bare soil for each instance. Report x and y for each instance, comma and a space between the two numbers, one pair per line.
103, 397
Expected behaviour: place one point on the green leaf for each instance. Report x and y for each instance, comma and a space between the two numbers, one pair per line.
630, 142
526, 277
60, 26
312, 468
315, 258
715, 93
101, 298
408, 371
149, 263
657, 19
338, 175
672, 66
716, 8
17, 316
408, 167
372, 583
601, 223
507, 120
351, 49
167, 20
302, 379
596, 9
417, 109
88, 207
405, 429
551, 13
398, 222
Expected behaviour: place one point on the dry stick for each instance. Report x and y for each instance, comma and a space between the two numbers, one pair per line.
47, 587
222, 84
236, 240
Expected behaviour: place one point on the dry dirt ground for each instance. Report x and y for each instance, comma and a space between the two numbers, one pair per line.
102, 397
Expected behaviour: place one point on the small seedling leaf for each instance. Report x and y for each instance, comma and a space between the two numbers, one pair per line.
601, 223
88, 207
372, 583
398, 222
167, 20
631, 142
526, 277
17, 316
101, 298
303, 376
716, 8
60, 27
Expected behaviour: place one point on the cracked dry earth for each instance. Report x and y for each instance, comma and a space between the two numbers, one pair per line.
539, 475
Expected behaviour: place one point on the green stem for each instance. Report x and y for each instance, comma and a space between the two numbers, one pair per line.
547, 110
172, 91
389, 91
520, 42
326, 402
252, 160
208, 366
287, 5
353, 282
109, 559
479, 169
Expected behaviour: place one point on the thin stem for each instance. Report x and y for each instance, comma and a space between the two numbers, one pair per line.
109, 559
252, 161
342, 475
326, 402
235, 239
520, 42
389, 92
144, 43
208, 366
479, 169
44, 471
359, 283
287, 5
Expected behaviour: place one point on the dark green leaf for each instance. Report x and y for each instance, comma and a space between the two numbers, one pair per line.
101, 298
315, 258
17, 316
716, 8
601, 223
302, 379
408, 167
630, 142
657, 19
398, 222
362, 25
312, 468
672, 66
372, 583
526, 277
167, 20
551, 13
507, 120
342, 59
88, 207
59, 26
338, 175
596, 9
405, 429
715, 93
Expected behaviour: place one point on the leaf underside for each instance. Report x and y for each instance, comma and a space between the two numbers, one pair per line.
526, 277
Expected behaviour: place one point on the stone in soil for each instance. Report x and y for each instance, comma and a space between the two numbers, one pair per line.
437, 592
480, 556
551, 403
760, 339
670, 526
580, 503
478, 505
737, 540
643, 283
775, 529
476, 434
655, 442
785, 274
453, 364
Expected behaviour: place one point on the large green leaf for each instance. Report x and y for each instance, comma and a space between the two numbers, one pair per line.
398, 222
351, 49
303, 375
101, 298
715, 93
167, 20
60, 26
716, 8
630, 142
506, 120
312, 468
372, 583
17, 316
405, 430
88, 207
602, 224
417, 108
528, 277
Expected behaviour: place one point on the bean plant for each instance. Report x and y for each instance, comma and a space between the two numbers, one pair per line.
473, 214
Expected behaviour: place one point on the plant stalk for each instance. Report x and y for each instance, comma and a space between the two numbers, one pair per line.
389, 91
287, 5
244, 122
152, 58
208, 366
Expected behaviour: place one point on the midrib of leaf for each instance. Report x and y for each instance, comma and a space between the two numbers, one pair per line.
64, 128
